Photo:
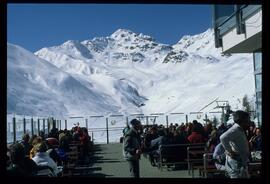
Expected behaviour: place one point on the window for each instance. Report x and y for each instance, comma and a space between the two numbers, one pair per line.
223, 12
259, 96
257, 61
257, 57
258, 82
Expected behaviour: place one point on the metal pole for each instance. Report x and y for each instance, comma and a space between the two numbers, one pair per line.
24, 125
93, 137
167, 121
44, 125
147, 120
186, 118
205, 117
53, 123
14, 129
32, 126
38, 126
127, 120
223, 116
65, 124
107, 129
48, 121
60, 124
86, 123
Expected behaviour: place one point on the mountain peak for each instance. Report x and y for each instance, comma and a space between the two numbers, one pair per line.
71, 42
202, 43
209, 31
122, 33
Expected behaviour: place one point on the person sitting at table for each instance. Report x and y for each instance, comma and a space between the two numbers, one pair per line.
256, 141
42, 158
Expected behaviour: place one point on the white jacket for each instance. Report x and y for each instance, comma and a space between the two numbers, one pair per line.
43, 159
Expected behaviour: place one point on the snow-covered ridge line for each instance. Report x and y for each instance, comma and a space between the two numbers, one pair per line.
126, 72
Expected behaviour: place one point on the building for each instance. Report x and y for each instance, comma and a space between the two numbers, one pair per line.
238, 29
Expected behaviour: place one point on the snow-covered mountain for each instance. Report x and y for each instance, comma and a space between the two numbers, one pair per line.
126, 73
36, 87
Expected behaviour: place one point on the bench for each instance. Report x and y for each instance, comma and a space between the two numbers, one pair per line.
208, 168
173, 154
74, 165
195, 156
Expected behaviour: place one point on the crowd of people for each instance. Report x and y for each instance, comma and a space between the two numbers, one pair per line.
230, 143
218, 140
45, 155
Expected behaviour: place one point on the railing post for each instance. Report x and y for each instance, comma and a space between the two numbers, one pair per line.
32, 126
127, 121
186, 118
223, 117
147, 120
48, 121
44, 125
53, 123
24, 125
38, 126
86, 123
167, 121
14, 129
205, 116
60, 124
93, 137
107, 129
65, 124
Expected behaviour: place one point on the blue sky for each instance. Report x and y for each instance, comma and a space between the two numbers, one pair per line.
34, 26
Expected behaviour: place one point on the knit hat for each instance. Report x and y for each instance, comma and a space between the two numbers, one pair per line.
134, 122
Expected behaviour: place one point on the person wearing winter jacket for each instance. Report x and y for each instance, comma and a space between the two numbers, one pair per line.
132, 147
42, 158
236, 146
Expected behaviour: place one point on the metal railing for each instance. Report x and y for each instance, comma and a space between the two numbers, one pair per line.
101, 128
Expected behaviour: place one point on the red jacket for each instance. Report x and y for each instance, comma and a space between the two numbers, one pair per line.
195, 138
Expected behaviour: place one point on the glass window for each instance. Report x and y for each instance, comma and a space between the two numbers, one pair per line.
222, 12
258, 82
257, 61
259, 112
250, 10
259, 96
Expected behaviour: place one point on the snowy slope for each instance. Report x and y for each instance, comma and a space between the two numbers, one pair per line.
36, 87
128, 72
